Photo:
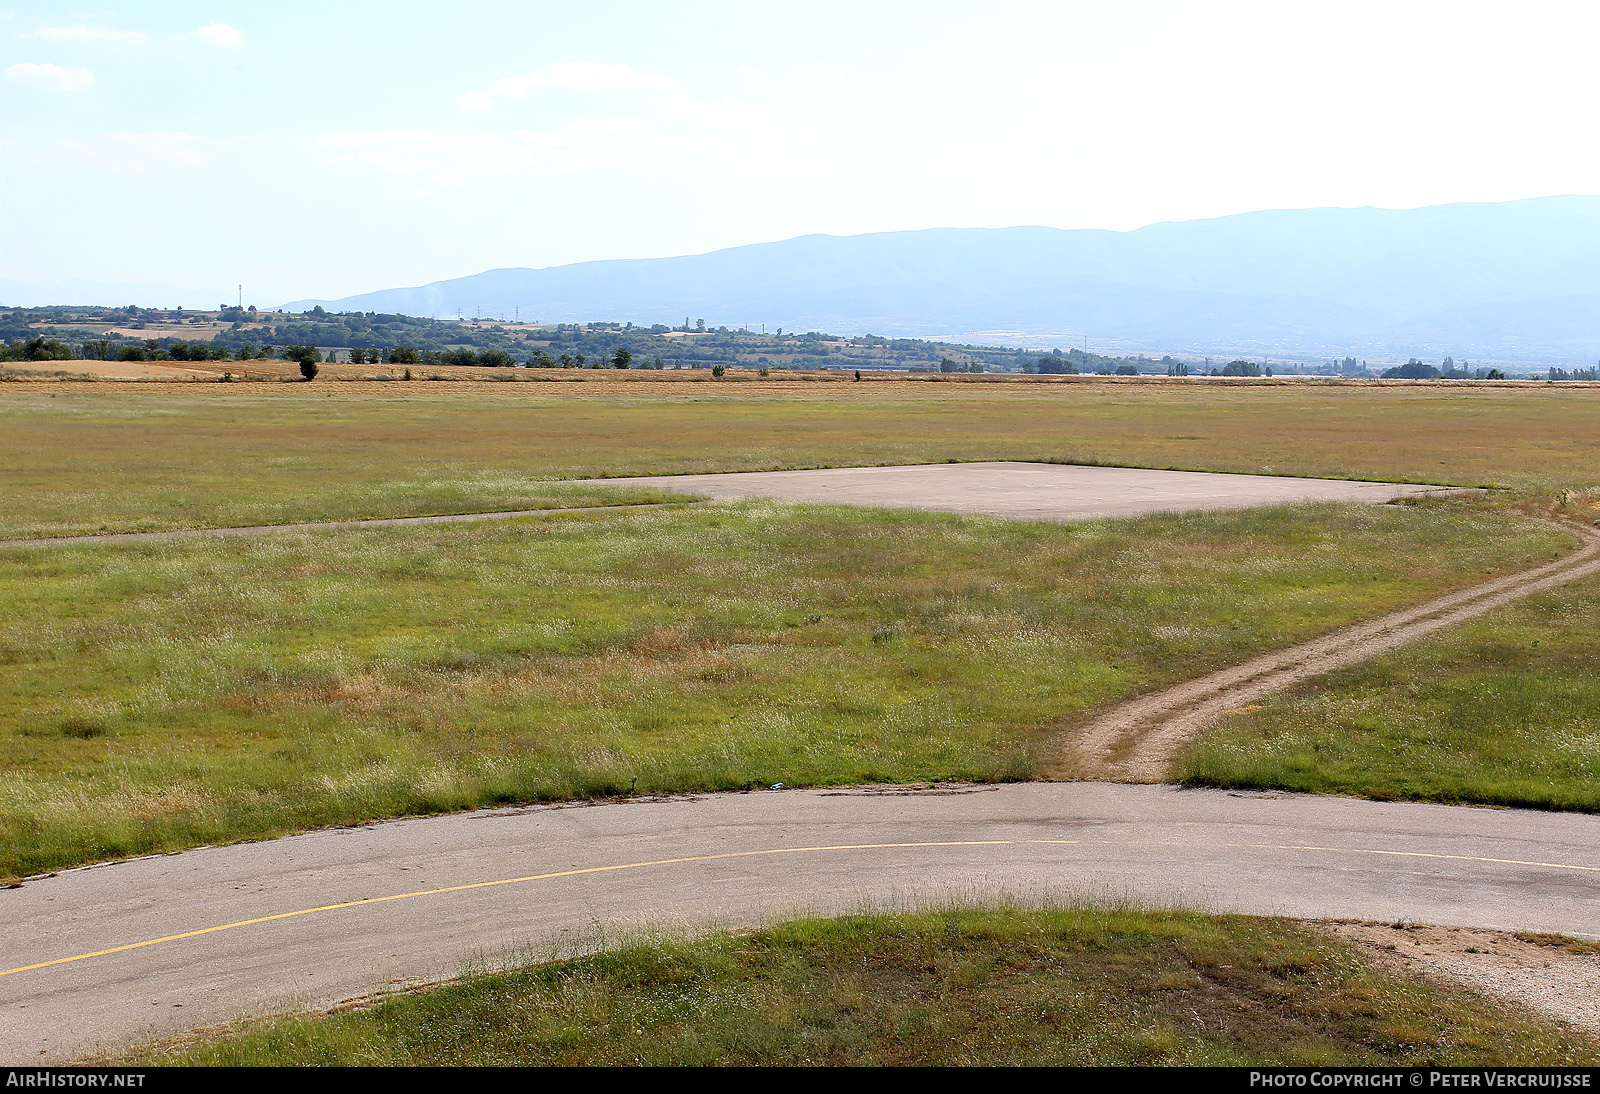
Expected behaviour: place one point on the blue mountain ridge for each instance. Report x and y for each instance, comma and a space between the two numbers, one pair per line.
1516, 279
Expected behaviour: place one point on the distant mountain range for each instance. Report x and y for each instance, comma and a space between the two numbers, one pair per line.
1512, 280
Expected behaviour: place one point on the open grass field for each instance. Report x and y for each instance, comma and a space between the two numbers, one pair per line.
157, 696
961, 987
1504, 711
85, 458
161, 695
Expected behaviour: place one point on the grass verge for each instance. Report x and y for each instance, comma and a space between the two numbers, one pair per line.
968, 986
1502, 711
163, 695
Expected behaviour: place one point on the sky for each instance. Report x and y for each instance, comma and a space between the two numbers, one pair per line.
324, 149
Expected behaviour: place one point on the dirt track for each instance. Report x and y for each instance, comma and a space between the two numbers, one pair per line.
1137, 741
325, 525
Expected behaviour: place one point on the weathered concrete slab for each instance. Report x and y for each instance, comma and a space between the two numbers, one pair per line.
1026, 491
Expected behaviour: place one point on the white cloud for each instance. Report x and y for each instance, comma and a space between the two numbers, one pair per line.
597, 78
220, 35
590, 77
124, 151
607, 118
81, 33
50, 77
611, 145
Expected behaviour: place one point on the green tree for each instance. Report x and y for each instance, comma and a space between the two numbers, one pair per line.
41, 349
623, 358
308, 356
1411, 370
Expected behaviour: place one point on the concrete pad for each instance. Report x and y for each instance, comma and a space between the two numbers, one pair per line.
1026, 491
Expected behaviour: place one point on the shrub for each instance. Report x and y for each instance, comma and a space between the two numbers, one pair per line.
308, 356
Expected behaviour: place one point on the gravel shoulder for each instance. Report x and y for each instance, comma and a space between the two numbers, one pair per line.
1542, 977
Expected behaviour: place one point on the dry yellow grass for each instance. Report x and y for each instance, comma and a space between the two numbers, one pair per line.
121, 370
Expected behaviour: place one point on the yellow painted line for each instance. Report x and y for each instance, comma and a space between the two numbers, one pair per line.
748, 854
1420, 854
492, 884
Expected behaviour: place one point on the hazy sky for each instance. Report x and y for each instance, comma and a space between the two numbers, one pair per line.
322, 149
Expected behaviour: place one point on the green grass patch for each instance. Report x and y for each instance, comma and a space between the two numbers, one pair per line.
972, 986
1502, 711
163, 695
87, 458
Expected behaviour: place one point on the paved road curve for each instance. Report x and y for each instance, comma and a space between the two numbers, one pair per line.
266, 926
